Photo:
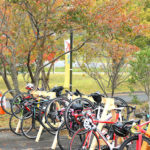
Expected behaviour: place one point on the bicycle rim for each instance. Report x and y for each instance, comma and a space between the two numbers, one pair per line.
131, 143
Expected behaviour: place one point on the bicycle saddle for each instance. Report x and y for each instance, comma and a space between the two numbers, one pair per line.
57, 89
97, 97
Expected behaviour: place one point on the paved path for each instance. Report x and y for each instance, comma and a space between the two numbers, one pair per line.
10, 141
140, 96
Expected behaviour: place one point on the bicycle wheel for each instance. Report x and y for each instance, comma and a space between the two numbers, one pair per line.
84, 141
131, 143
54, 114
7, 99
42, 118
63, 137
30, 127
14, 125
20, 105
77, 106
125, 112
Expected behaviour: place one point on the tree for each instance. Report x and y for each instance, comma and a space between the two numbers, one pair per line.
106, 71
31, 29
140, 70
28, 30
8, 40
112, 27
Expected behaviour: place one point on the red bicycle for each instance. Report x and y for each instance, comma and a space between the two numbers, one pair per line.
90, 137
140, 140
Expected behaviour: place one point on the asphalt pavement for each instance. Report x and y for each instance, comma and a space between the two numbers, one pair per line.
10, 141
141, 96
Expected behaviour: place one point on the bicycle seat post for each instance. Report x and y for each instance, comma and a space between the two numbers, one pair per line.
99, 111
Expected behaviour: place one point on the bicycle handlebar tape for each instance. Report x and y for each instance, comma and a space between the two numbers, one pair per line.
109, 105
145, 145
2, 112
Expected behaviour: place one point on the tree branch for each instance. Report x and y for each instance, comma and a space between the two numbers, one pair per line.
75, 49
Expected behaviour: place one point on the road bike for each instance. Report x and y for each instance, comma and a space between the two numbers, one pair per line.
91, 134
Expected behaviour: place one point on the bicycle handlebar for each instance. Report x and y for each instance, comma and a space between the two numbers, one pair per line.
131, 108
131, 122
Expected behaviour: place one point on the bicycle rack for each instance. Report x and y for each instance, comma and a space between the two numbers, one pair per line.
109, 105
44, 94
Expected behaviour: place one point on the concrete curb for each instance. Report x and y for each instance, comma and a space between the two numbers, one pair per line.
4, 129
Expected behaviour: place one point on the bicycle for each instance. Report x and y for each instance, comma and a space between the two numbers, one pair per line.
85, 104
141, 135
90, 131
30, 125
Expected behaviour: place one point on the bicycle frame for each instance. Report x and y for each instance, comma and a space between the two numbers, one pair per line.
99, 133
141, 131
110, 145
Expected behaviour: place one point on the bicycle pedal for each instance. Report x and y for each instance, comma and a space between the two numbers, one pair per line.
105, 147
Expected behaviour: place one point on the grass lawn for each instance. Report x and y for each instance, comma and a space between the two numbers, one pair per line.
4, 121
80, 81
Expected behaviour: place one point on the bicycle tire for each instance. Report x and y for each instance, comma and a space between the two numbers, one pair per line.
18, 105
79, 141
41, 118
8, 96
13, 123
63, 137
125, 113
30, 127
130, 143
68, 120
53, 114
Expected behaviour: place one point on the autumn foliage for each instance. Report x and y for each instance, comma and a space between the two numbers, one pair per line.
30, 29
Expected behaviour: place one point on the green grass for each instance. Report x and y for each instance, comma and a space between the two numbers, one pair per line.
80, 81
4, 121
86, 84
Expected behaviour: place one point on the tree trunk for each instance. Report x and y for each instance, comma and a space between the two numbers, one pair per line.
44, 82
113, 80
149, 102
37, 72
14, 76
48, 75
13, 70
5, 79
29, 68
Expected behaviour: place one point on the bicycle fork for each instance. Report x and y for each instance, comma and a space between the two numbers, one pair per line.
87, 140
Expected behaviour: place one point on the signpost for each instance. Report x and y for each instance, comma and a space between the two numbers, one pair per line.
71, 47
68, 62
